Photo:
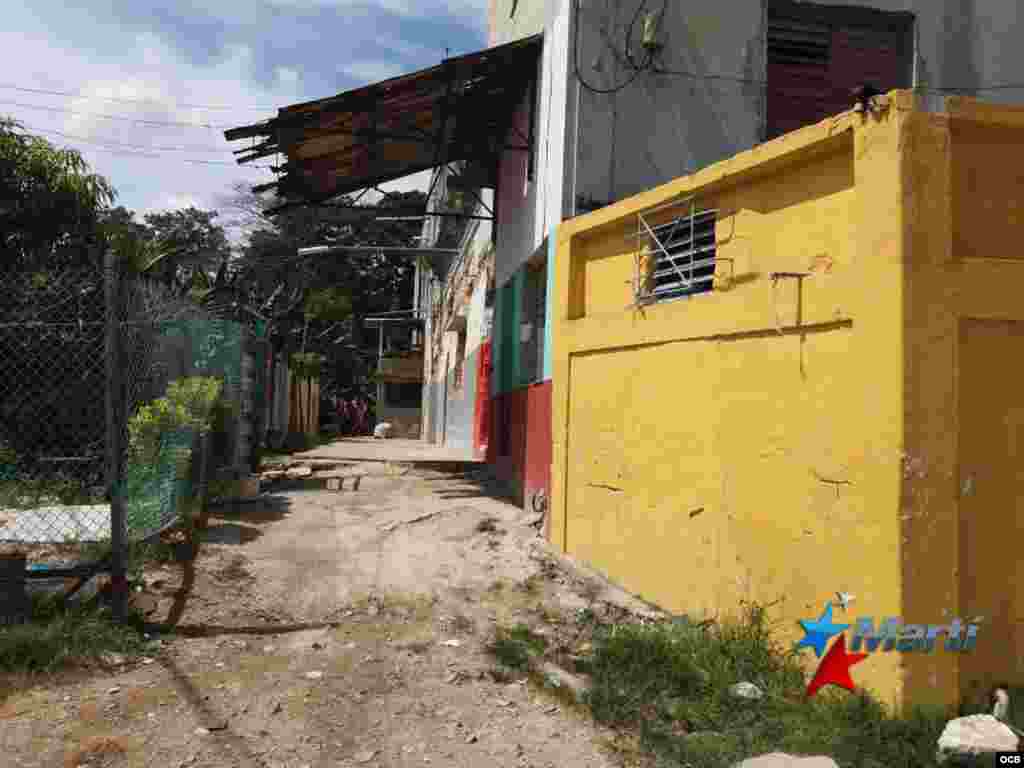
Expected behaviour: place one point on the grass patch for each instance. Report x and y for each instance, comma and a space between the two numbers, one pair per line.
54, 489
57, 636
513, 647
669, 683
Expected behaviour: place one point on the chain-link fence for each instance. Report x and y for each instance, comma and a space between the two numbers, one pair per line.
52, 416
98, 365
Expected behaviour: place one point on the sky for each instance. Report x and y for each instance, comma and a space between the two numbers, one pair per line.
105, 77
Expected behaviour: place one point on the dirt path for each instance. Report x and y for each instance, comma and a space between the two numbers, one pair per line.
321, 628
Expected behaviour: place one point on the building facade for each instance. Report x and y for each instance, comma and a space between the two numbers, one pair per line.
820, 410
631, 96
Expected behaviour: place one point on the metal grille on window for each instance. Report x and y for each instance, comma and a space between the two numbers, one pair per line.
677, 257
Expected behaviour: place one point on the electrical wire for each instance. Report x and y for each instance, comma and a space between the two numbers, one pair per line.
138, 150
124, 118
576, 61
121, 145
191, 161
632, 25
80, 95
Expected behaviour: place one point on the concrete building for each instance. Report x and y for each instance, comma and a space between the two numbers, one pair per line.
827, 409
632, 94
399, 372
579, 104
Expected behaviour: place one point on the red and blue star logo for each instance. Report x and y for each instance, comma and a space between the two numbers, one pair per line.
834, 668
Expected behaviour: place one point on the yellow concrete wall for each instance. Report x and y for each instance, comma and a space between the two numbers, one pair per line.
778, 441
744, 444
963, 176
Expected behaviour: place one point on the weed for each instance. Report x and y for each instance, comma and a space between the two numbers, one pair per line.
669, 683
533, 585
58, 635
513, 647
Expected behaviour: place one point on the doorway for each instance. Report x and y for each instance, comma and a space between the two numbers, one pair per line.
991, 502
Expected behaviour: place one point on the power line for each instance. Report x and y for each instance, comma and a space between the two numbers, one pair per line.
122, 145
80, 95
125, 118
140, 151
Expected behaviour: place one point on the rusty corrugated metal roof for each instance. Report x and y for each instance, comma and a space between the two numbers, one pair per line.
458, 110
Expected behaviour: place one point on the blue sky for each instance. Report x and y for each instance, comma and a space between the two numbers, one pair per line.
149, 60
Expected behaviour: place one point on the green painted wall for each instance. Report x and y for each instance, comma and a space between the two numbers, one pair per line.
507, 316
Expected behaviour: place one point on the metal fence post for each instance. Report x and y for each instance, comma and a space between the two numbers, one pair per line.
118, 540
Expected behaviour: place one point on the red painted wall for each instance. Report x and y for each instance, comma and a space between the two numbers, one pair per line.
537, 472
482, 412
519, 447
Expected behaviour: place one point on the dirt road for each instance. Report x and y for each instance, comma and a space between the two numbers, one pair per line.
321, 628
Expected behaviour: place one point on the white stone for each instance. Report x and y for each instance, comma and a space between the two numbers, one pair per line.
975, 734
782, 760
745, 690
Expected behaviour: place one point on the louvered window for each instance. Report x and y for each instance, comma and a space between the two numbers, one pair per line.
677, 257
793, 43
818, 54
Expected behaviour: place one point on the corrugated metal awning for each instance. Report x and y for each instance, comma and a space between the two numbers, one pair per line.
458, 110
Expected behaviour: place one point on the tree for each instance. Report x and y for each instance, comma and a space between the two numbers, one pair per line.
280, 285
50, 201
188, 245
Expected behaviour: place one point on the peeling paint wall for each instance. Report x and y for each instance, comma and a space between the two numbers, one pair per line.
452, 367
785, 439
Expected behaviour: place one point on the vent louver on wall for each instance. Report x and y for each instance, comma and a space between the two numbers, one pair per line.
793, 43
817, 55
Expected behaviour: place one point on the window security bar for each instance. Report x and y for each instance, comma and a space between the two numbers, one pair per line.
678, 257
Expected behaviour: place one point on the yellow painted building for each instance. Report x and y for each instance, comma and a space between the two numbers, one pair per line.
840, 412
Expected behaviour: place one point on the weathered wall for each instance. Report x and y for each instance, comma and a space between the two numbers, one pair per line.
460, 301
734, 445
964, 407
663, 126
529, 208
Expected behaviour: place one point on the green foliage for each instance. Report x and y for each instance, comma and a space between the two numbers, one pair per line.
329, 304
357, 285
186, 244
50, 198
8, 456
306, 365
53, 488
56, 636
671, 682
513, 647
189, 404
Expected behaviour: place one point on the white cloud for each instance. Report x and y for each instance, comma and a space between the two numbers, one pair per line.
137, 74
287, 75
175, 201
372, 71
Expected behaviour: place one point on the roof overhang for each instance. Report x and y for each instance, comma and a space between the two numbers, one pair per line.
460, 110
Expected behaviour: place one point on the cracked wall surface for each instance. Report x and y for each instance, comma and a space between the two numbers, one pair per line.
781, 440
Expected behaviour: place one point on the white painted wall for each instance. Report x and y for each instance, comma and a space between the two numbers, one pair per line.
528, 209
664, 126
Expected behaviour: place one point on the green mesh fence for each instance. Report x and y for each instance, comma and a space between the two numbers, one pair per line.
168, 484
